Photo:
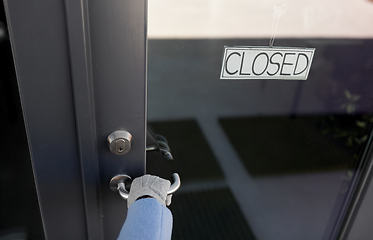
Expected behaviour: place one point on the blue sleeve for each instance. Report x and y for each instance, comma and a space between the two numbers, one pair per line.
147, 219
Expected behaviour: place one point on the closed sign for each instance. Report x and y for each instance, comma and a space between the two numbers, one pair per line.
266, 63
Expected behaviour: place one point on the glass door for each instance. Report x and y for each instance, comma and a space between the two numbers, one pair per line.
262, 159
259, 159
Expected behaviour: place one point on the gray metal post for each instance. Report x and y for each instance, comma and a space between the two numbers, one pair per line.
118, 46
81, 69
40, 50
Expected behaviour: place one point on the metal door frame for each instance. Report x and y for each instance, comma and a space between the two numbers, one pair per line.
359, 216
81, 71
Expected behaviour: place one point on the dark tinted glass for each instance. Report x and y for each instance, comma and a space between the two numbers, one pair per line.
261, 159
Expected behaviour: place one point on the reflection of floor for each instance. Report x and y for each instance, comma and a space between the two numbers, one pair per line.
208, 214
204, 207
296, 206
183, 83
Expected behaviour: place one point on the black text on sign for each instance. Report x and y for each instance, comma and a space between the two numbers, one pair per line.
266, 63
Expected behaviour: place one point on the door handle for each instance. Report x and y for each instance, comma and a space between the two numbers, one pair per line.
119, 143
156, 142
119, 182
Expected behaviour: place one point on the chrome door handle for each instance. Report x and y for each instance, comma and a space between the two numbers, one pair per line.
118, 183
176, 185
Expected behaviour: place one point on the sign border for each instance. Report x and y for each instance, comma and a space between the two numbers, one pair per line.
266, 48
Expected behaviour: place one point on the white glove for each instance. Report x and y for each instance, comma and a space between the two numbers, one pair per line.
152, 186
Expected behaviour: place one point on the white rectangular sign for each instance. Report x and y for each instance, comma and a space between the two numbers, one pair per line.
266, 63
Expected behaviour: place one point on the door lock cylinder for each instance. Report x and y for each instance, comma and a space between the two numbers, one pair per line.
119, 142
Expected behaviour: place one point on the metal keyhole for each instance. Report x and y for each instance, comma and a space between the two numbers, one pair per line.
119, 142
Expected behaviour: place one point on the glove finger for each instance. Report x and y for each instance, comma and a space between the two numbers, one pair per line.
168, 200
149, 185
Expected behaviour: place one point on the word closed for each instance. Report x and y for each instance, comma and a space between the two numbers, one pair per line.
266, 63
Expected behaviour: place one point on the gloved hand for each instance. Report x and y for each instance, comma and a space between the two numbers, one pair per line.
152, 186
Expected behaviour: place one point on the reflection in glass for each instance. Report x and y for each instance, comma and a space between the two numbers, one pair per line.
284, 153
